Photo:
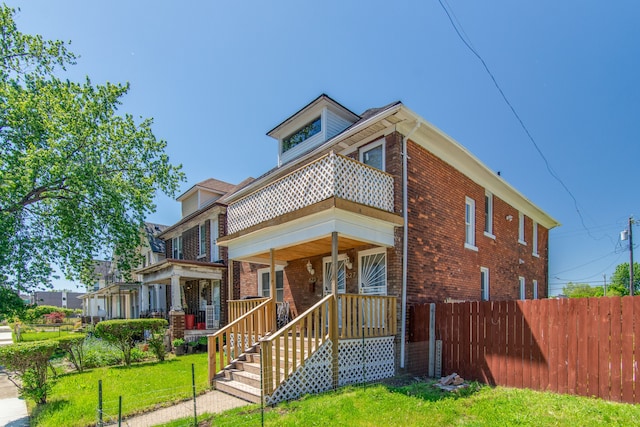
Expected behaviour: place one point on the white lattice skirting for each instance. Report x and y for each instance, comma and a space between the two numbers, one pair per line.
373, 362
356, 365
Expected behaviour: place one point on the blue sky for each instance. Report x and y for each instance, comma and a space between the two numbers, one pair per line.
216, 76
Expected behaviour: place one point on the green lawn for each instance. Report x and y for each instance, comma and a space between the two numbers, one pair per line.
73, 400
421, 405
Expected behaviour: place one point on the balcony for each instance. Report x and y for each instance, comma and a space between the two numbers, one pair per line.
332, 175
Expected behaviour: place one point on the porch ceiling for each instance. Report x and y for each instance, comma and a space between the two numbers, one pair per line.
308, 249
185, 269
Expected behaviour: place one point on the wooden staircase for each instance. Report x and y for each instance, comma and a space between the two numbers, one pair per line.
242, 377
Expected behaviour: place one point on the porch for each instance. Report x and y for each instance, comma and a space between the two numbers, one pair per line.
338, 341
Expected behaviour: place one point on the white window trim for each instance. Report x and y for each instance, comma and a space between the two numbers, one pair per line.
371, 146
534, 240
261, 271
368, 252
489, 215
486, 295
523, 288
176, 248
521, 229
535, 289
215, 250
470, 243
202, 248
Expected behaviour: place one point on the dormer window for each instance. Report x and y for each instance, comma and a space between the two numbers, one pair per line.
305, 132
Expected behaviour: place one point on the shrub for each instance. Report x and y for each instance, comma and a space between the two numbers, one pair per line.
156, 345
29, 362
125, 333
178, 342
74, 346
36, 314
55, 317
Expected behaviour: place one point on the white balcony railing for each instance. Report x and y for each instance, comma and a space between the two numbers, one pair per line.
329, 176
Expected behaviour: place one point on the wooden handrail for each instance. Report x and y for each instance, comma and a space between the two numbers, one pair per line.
287, 349
366, 315
238, 308
240, 334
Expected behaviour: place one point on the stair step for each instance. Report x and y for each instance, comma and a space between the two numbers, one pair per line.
238, 389
244, 377
248, 366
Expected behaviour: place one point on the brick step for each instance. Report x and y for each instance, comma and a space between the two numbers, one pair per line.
238, 389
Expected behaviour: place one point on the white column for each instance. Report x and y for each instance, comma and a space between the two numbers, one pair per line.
144, 298
158, 299
176, 295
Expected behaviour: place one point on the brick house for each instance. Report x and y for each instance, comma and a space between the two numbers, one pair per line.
192, 274
432, 225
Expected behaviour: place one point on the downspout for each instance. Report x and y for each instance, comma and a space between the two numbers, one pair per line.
405, 245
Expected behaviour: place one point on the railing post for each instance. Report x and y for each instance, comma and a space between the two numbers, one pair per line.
333, 336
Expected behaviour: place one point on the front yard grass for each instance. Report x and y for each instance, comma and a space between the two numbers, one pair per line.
73, 400
419, 404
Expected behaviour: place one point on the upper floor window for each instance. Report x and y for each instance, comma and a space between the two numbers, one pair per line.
176, 248
373, 271
470, 224
488, 214
521, 228
523, 294
484, 283
202, 246
535, 289
373, 155
534, 239
215, 253
305, 132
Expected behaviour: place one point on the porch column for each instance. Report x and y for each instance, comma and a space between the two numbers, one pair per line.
176, 316
176, 295
272, 287
333, 323
144, 298
158, 305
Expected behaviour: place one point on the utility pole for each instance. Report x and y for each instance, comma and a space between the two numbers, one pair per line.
604, 278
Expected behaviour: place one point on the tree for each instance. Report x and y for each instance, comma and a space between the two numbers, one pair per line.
582, 290
620, 280
75, 176
27, 367
11, 305
124, 333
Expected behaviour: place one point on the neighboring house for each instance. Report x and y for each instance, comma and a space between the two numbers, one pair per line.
112, 297
194, 271
63, 299
364, 216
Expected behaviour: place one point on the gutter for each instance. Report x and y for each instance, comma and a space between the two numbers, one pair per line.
405, 243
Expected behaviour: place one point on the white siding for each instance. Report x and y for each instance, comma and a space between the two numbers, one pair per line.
335, 124
190, 205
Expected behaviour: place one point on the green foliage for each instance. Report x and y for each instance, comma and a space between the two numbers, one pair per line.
75, 175
124, 333
178, 342
620, 280
99, 353
29, 362
73, 345
37, 313
156, 345
582, 290
11, 306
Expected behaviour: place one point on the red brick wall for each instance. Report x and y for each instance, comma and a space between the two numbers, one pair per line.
440, 266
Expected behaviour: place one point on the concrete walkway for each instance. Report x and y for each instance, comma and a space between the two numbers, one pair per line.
212, 402
13, 411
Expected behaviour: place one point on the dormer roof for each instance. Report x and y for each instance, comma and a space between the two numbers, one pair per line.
210, 185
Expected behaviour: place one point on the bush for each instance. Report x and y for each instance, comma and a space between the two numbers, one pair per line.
35, 314
74, 346
55, 317
125, 333
156, 345
29, 362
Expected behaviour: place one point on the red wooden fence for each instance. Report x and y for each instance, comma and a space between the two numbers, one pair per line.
585, 346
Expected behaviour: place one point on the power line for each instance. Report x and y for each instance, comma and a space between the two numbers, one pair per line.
517, 116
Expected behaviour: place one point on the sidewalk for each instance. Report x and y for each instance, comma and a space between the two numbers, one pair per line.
13, 411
